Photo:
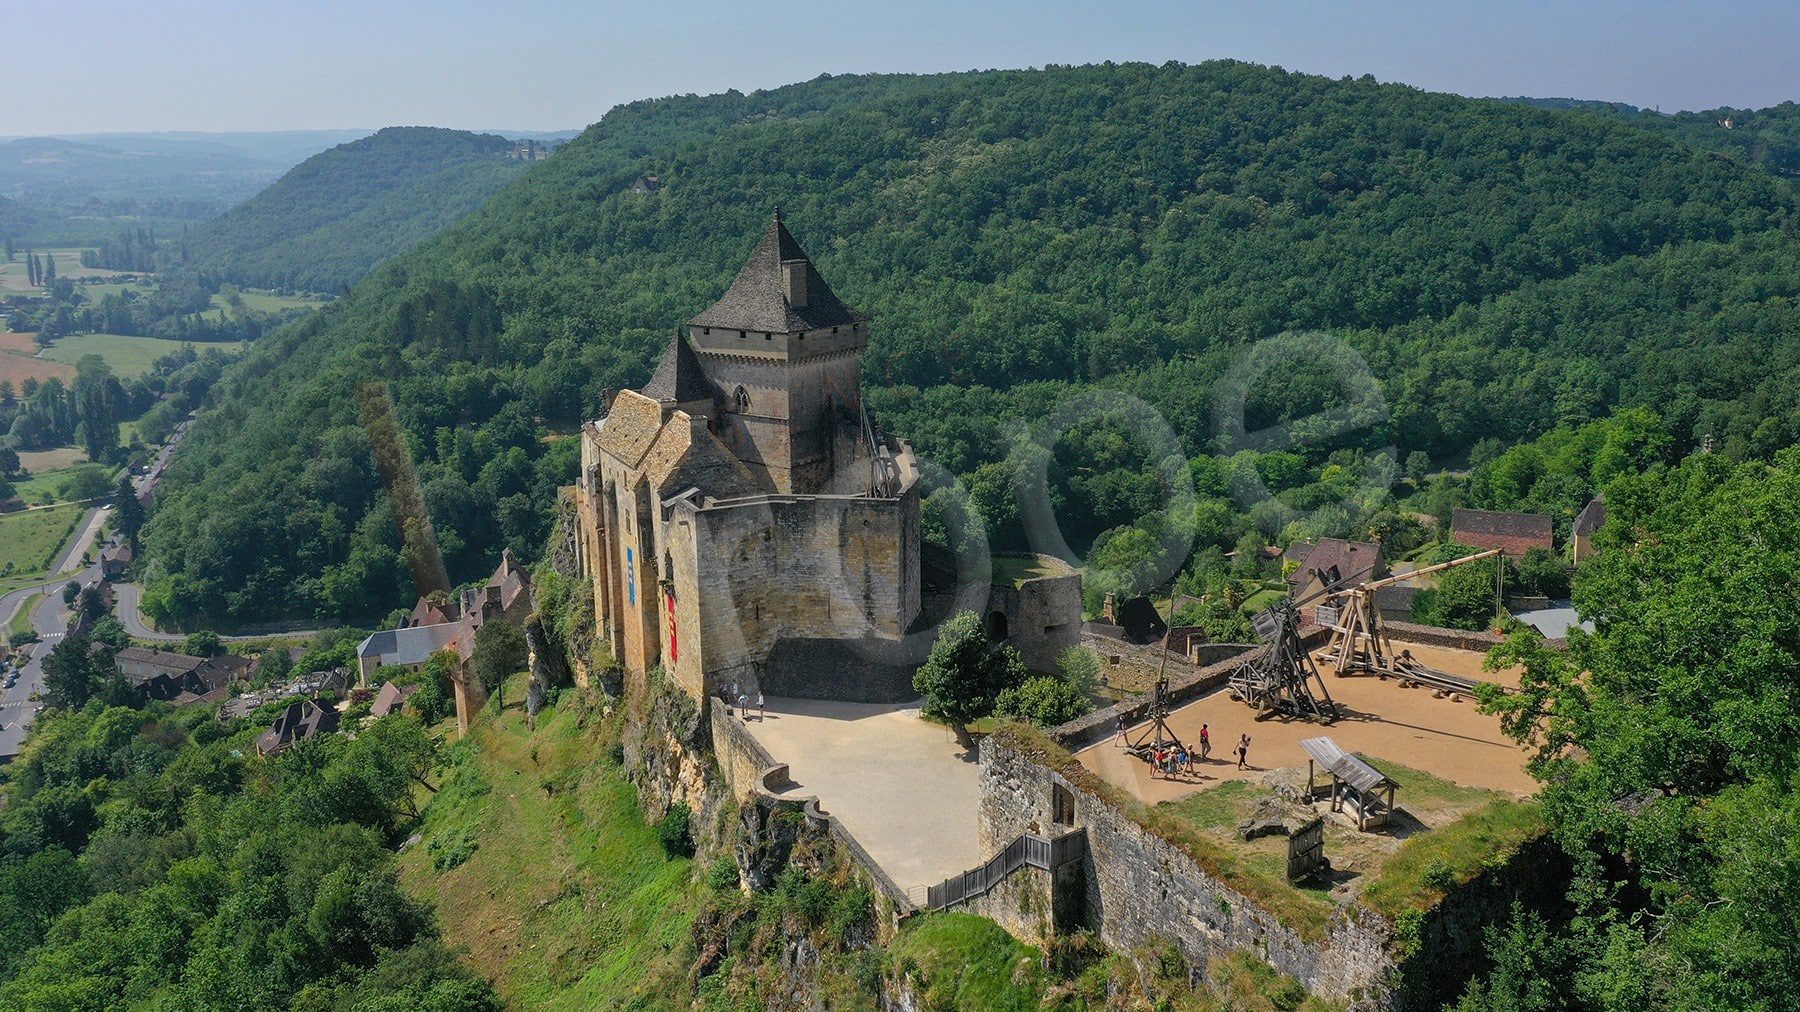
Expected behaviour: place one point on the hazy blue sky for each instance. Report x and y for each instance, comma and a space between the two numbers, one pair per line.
96, 65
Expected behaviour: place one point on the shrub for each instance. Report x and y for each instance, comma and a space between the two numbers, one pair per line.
450, 851
675, 831
723, 874
1043, 700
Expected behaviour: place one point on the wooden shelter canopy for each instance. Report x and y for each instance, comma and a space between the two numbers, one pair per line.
1347, 768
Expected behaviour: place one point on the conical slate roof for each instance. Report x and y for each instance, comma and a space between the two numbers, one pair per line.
756, 299
678, 376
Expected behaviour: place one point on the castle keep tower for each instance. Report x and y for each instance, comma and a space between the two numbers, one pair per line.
783, 351
741, 516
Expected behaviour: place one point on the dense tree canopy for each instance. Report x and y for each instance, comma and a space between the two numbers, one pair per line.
153, 861
1669, 745
1020, 237
331, 218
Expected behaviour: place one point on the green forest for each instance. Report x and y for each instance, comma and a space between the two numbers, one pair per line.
153, 861
1550, 303
331, 218
1019, 237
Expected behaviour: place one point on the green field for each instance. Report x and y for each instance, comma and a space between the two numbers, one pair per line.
263, 302
45, 487
30, 540
128, 356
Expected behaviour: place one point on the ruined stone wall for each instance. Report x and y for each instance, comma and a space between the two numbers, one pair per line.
1043, 617
1140, 889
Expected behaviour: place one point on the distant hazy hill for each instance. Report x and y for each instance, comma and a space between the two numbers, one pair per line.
342, 211
1017, 236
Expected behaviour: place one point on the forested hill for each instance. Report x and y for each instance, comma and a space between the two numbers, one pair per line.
1767, 137
1016, 236
331, 218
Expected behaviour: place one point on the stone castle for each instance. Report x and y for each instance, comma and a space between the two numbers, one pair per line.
742, 517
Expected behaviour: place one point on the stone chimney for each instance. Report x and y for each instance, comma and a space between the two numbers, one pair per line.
793, 282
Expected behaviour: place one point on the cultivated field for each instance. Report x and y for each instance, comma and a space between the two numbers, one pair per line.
19, 362
128, 356
38, 461
15, 278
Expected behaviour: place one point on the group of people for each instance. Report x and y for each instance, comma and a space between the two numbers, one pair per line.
743, 703
1171, 759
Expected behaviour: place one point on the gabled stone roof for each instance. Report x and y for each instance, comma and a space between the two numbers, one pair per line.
1516, 533
757, 301
678, 376
1591, 518
686, 455
629, 429
1337, 563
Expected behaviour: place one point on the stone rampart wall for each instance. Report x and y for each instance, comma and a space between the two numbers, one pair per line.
1139, 888
1187, 682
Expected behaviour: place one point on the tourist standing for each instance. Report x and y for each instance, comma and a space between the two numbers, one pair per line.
1243, 750
743, 711
762, 712
1205, 742
1119, 738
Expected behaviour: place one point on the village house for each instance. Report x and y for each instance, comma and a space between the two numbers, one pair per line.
164, 675
301, 720
115, 560
1587, 523
449, 622
392, 698
1333, 563
1513, 533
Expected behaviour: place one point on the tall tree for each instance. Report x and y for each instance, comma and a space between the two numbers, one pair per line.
965, 674
128, 512
500, 652
71, 674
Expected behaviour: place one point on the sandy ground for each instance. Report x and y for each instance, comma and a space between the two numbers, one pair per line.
1449, 740
902, 786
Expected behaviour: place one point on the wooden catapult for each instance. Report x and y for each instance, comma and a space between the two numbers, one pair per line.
1281, 677
1156, 733
1359, 643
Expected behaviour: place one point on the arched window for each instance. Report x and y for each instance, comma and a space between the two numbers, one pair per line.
740, 399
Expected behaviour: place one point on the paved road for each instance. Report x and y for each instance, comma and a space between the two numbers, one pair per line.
85, 533
50, 620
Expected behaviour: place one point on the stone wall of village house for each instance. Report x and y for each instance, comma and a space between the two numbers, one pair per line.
1139, 889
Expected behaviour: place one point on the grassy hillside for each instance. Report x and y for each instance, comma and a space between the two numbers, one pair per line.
541, 868
1017, 236
340, 212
